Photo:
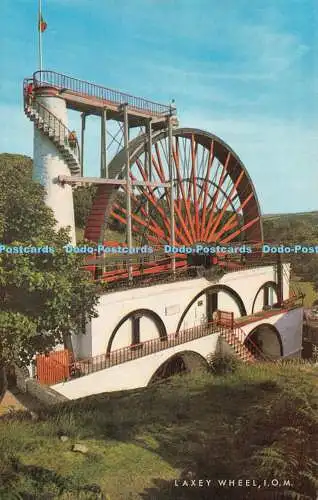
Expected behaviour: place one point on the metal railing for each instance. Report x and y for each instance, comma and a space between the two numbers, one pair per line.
239, 339
55, 126
130, 353
225, 318
235, 336
286, 305
107, 265
60, 81
251, 346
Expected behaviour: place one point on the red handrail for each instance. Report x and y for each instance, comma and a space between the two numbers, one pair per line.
51, 121
152, 346
59, 80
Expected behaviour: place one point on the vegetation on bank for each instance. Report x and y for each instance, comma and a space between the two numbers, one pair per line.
258, 422
43, 296
307, 288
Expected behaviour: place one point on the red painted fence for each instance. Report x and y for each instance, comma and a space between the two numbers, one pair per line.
53, 367
225, 318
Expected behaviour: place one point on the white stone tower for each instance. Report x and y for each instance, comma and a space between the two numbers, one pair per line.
50, 153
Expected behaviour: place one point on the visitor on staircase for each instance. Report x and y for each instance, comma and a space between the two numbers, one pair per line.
72, 139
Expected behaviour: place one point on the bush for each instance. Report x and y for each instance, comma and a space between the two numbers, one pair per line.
221, 364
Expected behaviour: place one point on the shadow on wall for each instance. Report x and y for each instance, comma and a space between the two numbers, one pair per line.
212, 302
181, 363
132, 320
290, 331
267, 338
265, 296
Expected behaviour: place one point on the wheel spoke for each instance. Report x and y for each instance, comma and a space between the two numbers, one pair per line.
188, 214
205, 188
187, 239
156, 230
225, 206
239, 231
179, 235
194, 148
215, 198
214, 201
233, 219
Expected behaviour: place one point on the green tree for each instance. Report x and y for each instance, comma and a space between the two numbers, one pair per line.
83, 200
295, 229
44, 297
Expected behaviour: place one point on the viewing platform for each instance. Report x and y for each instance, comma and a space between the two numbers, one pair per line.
92, 99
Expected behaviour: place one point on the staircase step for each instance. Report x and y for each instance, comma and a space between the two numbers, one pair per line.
100, 206
97, 225
97, 213
93, 233
95, 229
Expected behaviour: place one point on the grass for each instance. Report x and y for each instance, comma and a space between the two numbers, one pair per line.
139, 441
308, 289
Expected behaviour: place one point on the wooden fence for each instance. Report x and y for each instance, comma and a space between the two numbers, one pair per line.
53, 367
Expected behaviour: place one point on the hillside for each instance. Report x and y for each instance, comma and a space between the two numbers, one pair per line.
260, 422
311, 217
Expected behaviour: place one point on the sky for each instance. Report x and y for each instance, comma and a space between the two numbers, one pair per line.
244, 70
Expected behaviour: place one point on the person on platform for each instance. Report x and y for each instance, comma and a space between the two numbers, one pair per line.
72, 139
29, 94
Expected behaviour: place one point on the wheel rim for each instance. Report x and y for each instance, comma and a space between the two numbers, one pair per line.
215, 200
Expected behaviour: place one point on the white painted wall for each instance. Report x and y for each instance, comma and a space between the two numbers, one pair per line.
196, 314
82, 344
133, 374
148, 329
169, 301
289, 326
259, 302
226, 303
138, 373
48, 164
123, 336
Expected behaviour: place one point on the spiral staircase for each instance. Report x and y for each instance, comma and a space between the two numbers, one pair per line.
53, 128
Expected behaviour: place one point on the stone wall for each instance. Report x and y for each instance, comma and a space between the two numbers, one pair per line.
42, 393
22, 375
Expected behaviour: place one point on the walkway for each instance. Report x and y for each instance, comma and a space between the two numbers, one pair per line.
102, 361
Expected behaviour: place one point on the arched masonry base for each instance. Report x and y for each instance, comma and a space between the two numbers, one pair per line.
140, 372
179, 306
268, 339
192, 361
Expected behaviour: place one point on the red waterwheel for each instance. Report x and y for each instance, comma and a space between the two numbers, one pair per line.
215, 202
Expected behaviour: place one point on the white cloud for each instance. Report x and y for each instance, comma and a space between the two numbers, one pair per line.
280, 156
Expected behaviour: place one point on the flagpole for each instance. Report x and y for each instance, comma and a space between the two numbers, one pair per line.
40, 37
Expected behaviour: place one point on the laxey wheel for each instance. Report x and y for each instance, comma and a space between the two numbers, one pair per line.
215, 202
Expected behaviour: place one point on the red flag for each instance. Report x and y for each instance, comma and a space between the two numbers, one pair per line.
42, 24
